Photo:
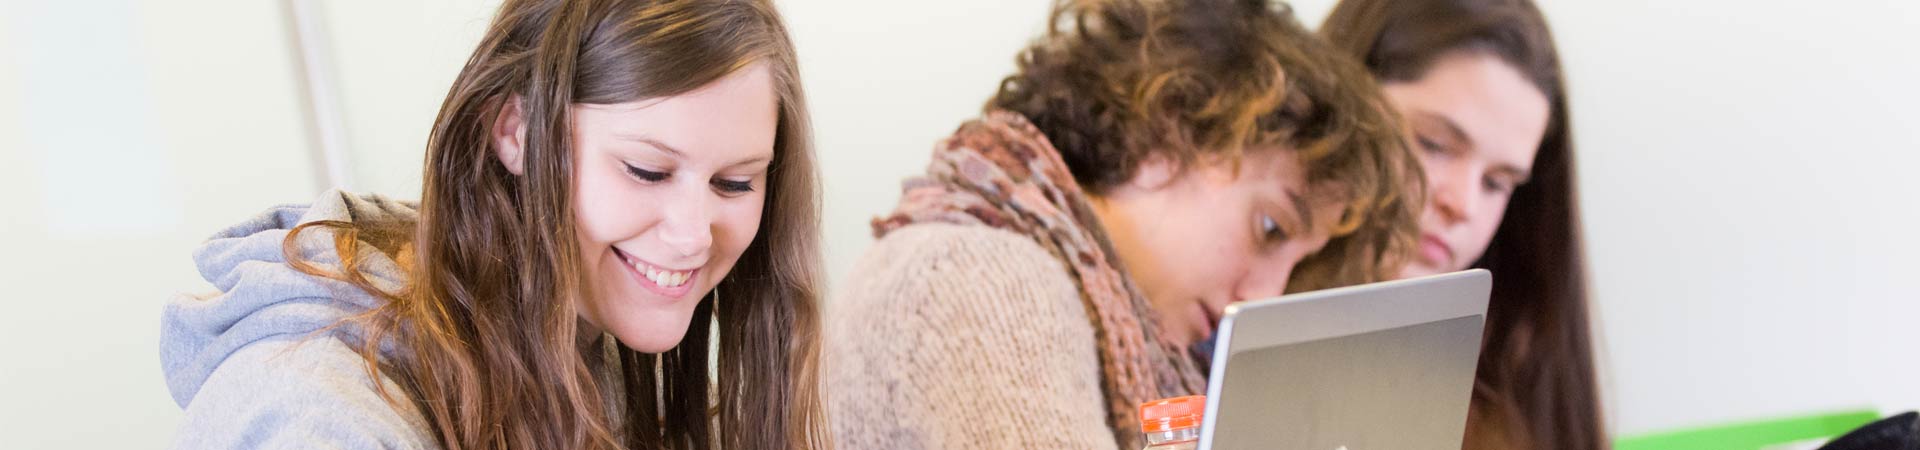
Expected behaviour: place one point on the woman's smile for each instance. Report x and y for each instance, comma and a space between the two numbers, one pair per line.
669, 283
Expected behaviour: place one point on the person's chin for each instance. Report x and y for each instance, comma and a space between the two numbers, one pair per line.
650, 346
651, 338
1418, 269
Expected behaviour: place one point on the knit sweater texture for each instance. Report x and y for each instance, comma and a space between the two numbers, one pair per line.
956, 336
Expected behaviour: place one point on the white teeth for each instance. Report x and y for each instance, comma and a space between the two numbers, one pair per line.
672, 279
664, 278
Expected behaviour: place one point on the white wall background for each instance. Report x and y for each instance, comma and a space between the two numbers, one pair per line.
1746, 174
129, 131
1748, 171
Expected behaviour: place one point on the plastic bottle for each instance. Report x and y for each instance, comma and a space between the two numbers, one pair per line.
1174, 423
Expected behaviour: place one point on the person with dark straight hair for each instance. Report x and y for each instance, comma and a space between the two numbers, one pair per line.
609, 183
1480, 87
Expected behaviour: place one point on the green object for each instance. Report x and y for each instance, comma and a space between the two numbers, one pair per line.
1754, 435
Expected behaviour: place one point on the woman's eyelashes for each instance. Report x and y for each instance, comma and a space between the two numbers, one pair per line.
1270, 231
1498, 185
727, 186
646, 175
1427, 144
722, 185
1432, 146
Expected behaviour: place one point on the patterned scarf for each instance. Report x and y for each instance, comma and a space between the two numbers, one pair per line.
1001, 172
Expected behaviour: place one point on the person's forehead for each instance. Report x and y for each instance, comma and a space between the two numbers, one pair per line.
1282, 173
1496, 108
704, 122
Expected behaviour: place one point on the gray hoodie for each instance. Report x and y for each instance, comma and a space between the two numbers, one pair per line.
255, 364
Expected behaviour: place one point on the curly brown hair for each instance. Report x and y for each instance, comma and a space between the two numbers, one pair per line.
1113, 83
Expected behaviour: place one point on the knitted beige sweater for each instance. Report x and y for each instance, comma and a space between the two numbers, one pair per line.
962, 337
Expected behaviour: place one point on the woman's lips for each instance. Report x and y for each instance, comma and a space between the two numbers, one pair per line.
1435, 251
635, 266
1209, 319
1213, 319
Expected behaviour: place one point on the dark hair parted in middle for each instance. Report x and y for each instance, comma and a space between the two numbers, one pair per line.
1114, 83
1537, 381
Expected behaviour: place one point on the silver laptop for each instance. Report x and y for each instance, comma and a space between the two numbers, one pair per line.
1383, 366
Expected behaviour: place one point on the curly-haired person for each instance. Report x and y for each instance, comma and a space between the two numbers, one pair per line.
1149, 163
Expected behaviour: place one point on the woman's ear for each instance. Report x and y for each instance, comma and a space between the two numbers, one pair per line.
1154, 172
509, 135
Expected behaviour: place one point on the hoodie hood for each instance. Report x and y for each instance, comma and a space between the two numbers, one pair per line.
259, 297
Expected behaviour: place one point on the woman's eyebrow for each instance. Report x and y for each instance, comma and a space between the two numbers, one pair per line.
1301, 210
1452, 129
752, 161
662, 146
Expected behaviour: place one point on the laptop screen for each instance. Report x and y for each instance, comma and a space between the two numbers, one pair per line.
1399, 388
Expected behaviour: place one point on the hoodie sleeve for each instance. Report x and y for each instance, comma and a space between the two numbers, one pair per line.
266, 361
299, 394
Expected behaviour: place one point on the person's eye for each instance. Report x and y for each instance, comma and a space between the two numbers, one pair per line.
1270, 229
733, 186
646, 175
1497, 185
1429, 145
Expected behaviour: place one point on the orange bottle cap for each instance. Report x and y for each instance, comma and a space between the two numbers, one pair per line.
1172, 414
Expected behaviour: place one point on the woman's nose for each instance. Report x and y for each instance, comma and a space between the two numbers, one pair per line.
1453, 193
687, 229
1267, 281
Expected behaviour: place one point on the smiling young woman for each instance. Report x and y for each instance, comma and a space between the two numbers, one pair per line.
605, 179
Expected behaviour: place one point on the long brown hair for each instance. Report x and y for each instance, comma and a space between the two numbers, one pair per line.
488, 325
1535, 386
1117, 82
